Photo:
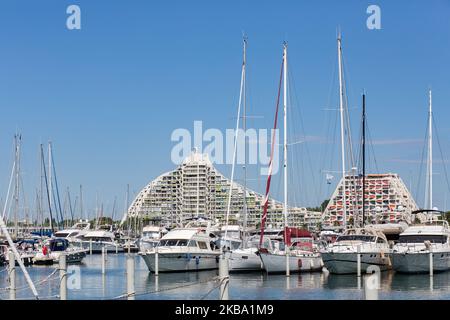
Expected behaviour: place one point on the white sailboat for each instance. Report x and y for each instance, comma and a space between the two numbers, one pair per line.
290, 258
421, 243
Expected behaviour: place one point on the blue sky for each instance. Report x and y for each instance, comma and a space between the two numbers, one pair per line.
109, 95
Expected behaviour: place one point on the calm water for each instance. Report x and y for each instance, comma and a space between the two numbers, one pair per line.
197, 285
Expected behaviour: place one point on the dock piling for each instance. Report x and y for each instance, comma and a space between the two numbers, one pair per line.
12, 276
431, 262
130, 277
223, 277
63, 277
358, 260
156, 262
90, 247
103, 260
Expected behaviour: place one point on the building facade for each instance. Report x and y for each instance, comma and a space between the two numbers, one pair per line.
197, 189
387, 199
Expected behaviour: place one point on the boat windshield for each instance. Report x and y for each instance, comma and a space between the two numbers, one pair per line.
420, 238
151, 234
173, 242
356, 237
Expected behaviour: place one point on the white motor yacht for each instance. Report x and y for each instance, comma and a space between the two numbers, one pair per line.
341, 257
230, 237
98, 239
412, 253
150, 237
54, 248
183, 249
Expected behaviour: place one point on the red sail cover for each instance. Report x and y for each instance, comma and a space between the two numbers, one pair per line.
291, 232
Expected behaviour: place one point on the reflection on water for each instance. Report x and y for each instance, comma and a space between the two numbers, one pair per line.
201, 285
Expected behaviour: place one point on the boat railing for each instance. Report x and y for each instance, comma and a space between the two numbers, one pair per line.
418, 247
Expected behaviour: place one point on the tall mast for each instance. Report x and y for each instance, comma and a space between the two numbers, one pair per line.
430, 152
341, 109
50, 189
364, 160
81, 202
17, 139
244, 126
285, 206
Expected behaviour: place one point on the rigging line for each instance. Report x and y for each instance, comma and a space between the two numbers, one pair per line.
442, 155
9, 189
269, 177
46, 187
345, 75
302, 128
419, 180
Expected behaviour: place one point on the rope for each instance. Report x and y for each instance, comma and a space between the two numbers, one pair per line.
126, 295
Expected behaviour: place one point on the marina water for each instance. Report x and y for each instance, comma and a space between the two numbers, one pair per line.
91, 284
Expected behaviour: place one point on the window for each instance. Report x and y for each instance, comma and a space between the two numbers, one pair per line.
356, 237
422, 237
182, 243
171, 242
193, 243
202, 245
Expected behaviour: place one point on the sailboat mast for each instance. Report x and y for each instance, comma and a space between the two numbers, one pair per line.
285, 206
364, 160
244, 126
341, 109
50, 189
430, 152
81, 202
17, 139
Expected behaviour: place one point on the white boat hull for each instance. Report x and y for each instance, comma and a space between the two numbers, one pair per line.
276, 263
180, 262
420, 262
244, 260
97, 247
346, 263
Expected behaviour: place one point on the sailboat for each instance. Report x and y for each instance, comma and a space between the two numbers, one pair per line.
243, 256
368, 242
290, 257
427, 241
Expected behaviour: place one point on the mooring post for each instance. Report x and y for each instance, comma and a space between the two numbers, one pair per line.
288, 271
117, 249
90, 247
358, 260
130, 277
12, 276
431, 261
103, 260
63, 277
156, 261
223, 277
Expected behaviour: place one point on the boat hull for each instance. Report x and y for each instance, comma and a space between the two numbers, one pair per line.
181, 262
276, 263
346, 263
244, 260
97, 247
420, 262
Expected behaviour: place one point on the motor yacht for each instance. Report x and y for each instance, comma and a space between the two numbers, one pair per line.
341, 257
54, 248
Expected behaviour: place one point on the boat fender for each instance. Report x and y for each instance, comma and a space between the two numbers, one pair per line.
299, 263
197, 260
188, 257
44, 250
217, 259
